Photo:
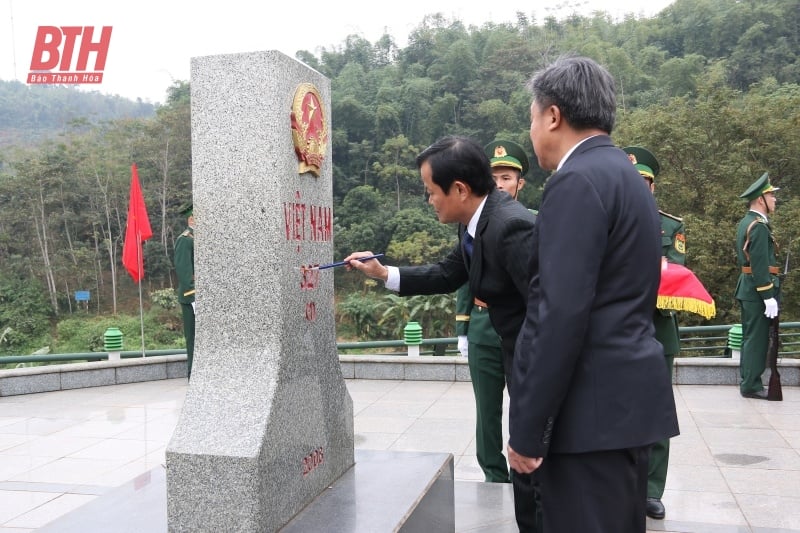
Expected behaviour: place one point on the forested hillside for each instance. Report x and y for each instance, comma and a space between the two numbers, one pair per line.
32, 113
711, 86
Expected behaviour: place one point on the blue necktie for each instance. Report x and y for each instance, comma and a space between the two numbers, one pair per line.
468, 243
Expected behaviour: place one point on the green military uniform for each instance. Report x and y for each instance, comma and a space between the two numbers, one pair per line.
488, 381
673, 247
758, 281
486, 367
673, 242
184, 268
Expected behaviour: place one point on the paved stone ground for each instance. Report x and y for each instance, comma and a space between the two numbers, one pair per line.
735, 468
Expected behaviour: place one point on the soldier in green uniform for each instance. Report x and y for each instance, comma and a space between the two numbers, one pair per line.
478, 340
673, 245
758, 288
184, 267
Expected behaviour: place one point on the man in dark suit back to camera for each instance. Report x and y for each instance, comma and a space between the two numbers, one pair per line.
458, 180
590, 388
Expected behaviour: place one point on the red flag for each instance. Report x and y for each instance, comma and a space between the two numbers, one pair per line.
681, 290
137, 230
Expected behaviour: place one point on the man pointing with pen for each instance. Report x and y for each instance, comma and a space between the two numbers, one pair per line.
493, 252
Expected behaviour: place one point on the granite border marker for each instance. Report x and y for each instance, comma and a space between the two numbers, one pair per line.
267, 422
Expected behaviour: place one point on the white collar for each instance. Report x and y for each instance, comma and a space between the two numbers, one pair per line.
472, 227
569, 152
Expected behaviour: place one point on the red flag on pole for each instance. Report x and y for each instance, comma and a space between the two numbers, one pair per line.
137, 230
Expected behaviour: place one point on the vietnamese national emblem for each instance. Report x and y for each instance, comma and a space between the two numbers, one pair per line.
309, 129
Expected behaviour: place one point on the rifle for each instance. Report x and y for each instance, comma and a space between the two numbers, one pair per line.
774, 391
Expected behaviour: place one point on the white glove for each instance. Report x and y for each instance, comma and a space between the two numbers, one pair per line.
463, 345
193, 310
770, 308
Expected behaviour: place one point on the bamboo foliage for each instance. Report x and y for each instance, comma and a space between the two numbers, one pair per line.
712, 87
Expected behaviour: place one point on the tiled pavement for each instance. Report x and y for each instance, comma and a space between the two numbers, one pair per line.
735, 468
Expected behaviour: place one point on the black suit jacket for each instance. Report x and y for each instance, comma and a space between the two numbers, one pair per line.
588, 372
498, 271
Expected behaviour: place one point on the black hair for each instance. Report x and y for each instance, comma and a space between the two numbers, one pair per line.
456, 157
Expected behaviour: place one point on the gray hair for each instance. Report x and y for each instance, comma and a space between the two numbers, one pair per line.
583, 90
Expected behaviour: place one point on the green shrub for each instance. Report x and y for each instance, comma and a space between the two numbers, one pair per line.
162, 330
165, 298
24, 315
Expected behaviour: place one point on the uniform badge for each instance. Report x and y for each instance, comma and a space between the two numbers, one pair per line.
309, 129
500, 151
680, 243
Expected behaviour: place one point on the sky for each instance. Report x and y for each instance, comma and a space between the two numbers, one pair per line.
152, 42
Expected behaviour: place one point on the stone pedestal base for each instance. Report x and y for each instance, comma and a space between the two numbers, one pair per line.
409, 492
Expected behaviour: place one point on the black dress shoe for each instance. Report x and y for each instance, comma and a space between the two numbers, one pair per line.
655, 509
760, 395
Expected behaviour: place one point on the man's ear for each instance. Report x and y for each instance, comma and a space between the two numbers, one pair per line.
462, 188
554, 116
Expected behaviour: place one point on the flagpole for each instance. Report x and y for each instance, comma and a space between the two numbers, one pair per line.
137, 230
139, 253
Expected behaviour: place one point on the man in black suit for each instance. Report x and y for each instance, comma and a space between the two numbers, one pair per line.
493, 253
590, 388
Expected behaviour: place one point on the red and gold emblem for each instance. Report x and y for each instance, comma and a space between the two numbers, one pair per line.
309, 129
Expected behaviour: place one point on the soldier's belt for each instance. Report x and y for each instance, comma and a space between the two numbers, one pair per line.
772, 270
480, 303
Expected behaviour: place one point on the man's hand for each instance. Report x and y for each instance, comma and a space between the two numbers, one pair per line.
522, 464
770, 308
463, 345
372, 268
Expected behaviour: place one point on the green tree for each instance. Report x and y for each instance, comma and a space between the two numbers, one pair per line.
24, 315
396, 166
678, 75
360, 222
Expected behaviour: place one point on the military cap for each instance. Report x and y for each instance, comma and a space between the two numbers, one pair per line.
507, 154
644, 161
186, 209
759, 187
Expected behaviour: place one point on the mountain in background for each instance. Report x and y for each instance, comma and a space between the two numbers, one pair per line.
32, 113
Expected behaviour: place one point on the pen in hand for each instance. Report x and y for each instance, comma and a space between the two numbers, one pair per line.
343, 263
